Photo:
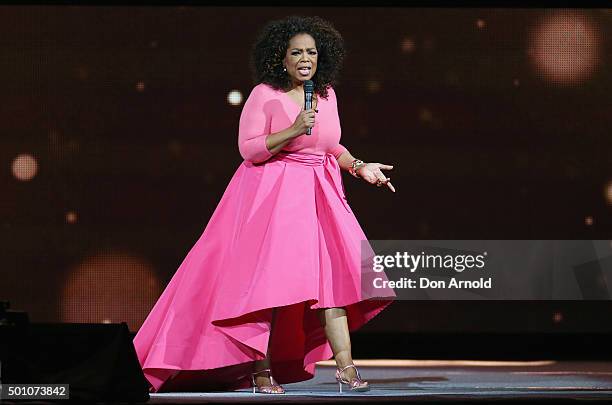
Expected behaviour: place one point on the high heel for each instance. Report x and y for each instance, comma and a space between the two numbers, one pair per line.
355, 384
266, 389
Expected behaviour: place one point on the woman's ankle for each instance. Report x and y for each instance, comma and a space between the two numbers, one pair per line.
347, 372
259, 365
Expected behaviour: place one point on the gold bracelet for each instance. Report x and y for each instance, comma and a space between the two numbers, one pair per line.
356, 164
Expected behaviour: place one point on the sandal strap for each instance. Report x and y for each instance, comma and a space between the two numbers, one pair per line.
274, 383
341, 370
261, 371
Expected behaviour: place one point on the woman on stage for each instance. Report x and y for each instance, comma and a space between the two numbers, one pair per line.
274, 283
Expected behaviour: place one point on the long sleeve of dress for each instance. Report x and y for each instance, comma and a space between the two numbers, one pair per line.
338, 149
254, 127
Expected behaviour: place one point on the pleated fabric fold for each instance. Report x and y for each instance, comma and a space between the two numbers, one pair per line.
283, 236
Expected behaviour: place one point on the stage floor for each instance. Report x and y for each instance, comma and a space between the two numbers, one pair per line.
439, 381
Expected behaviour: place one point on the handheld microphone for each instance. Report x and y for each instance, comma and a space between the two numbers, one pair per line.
308, 90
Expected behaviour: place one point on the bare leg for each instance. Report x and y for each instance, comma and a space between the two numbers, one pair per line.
263, 379
335, 323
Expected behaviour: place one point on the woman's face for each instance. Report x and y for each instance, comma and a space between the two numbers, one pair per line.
301, 59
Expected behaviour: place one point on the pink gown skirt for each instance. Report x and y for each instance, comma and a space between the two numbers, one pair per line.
283, 236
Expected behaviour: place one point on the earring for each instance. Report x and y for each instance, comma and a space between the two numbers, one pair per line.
284, 69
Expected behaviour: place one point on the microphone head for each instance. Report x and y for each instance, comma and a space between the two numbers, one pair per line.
308, 86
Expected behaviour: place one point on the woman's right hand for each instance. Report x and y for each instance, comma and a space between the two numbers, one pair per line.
305, 120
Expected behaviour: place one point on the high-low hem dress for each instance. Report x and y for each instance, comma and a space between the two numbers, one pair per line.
283, 237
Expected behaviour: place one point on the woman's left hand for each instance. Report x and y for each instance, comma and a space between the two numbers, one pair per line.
371, 172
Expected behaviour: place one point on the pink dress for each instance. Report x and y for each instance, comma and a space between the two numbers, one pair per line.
283, 236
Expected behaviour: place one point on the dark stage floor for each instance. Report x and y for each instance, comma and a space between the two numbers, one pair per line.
438, 381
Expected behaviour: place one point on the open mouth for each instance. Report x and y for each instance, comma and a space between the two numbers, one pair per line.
304, 71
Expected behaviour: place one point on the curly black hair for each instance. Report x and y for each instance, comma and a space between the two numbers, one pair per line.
271, 45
